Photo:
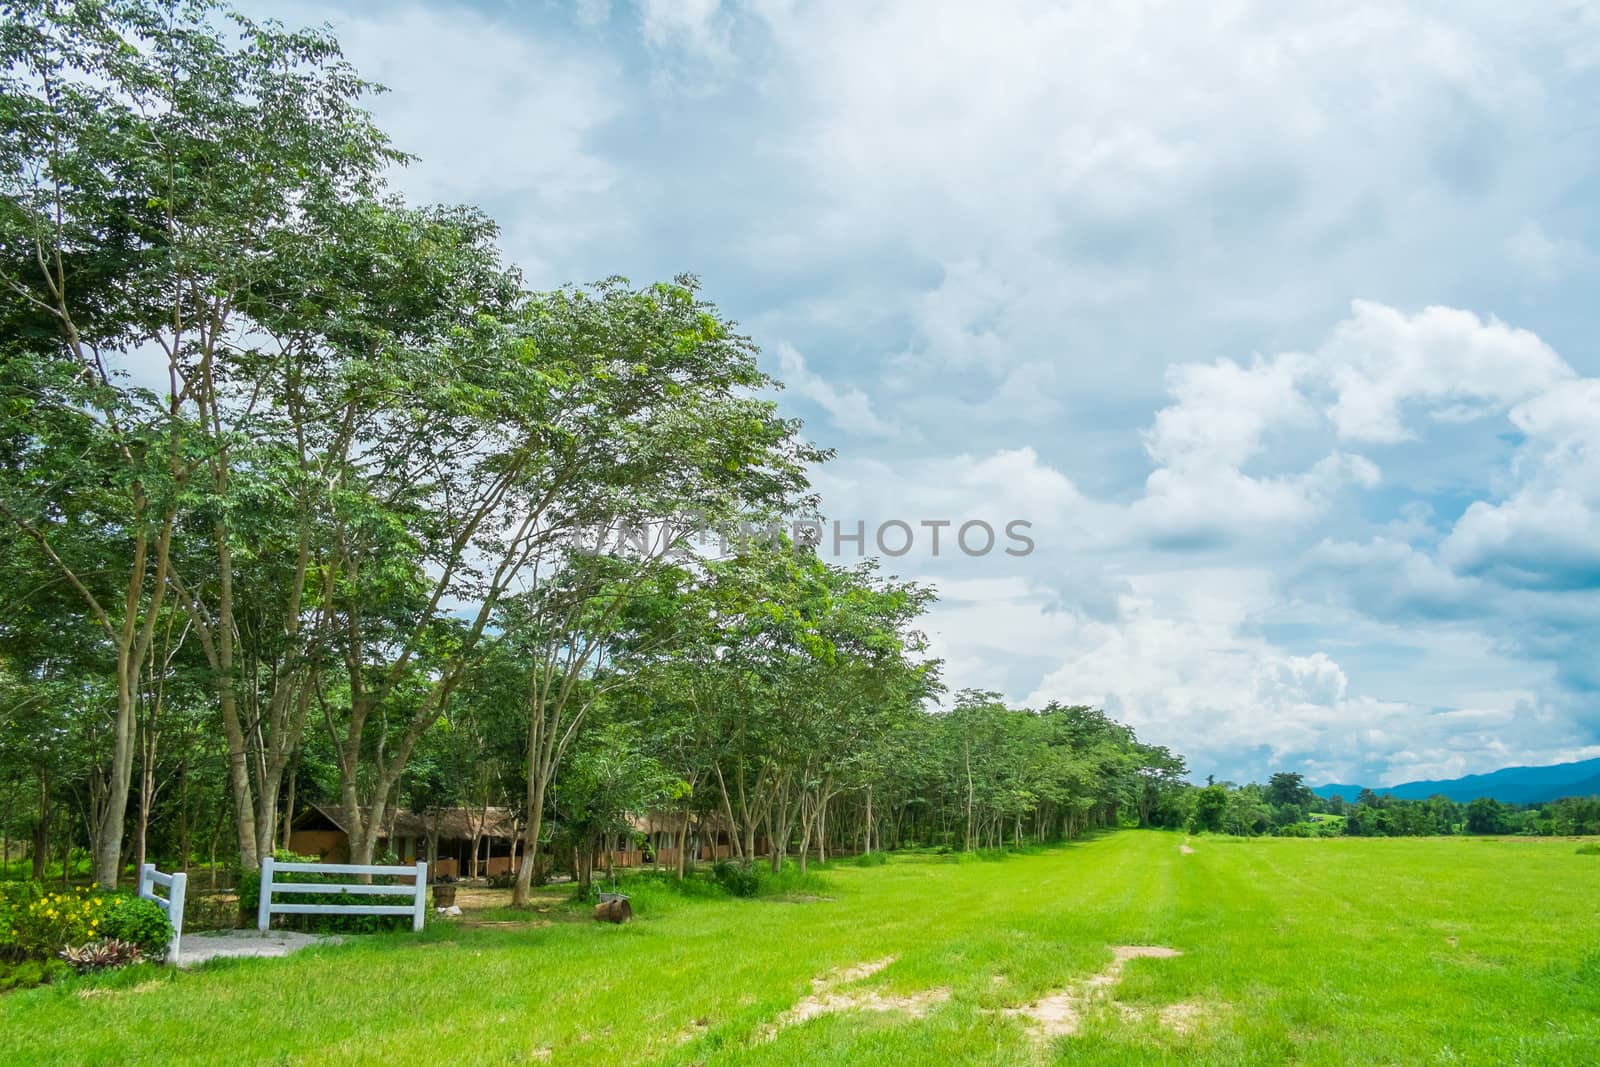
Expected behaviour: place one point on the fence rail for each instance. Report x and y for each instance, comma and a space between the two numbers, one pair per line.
177, 886
270, 868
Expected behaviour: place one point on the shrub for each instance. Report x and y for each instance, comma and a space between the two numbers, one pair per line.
41, 927
737, 880
14, 900
104, 955
872, 859
57, 920
137, 922
29, 973
1591, 848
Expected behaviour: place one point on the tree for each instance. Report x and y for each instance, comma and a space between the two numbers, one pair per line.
1210, 809
152, 173
1287, 789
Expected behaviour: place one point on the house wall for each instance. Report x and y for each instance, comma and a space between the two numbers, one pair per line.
332, 846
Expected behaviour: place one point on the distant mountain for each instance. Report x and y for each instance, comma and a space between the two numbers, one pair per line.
1512, 785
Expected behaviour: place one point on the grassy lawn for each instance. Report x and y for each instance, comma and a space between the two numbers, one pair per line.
1334, 952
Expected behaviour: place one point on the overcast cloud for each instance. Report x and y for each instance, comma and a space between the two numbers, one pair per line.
1276, 321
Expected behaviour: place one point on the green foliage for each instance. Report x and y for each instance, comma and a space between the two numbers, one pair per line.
133, 920
40, 925
15, 898
57, 920
107, 954
1210, 809
871, 859
740, 881
24, 974
1589, 848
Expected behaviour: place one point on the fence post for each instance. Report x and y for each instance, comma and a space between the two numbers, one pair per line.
264, 912
146, 876
175, 895
422, 896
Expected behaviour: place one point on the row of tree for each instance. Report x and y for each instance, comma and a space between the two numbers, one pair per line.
308, 496
1286, 806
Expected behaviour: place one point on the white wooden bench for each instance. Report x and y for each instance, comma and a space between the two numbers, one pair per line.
176, 886
418, 891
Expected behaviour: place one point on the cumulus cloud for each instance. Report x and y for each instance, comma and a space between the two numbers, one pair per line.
1459, 366
850, 409
1092, 266
1547, 532
1542, 257
503, 120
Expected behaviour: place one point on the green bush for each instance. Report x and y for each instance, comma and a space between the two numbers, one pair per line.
53, 921
29, 973
1591, 848
14, 900
39, 925
737, 880
872, 859
136, 921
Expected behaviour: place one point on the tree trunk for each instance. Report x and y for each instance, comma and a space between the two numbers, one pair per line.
108, 828
869, 820
683, 847
822, 828
968, 847
41, 832
288, 807
535, 816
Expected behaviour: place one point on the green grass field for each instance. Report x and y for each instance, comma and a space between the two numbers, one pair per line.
1348, 951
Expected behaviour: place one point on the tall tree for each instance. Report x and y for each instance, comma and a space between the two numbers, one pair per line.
149, 168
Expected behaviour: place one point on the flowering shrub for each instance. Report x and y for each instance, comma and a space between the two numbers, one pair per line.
59, 919
14, 900
41, 927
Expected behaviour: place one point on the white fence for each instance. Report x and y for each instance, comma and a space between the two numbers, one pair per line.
418, 892
176, 886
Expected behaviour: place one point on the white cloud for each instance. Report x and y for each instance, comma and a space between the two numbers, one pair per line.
1381, 359
497, 118
1378, 366
850, 409
1543, 257
1547, 532
701, 25
1145, 190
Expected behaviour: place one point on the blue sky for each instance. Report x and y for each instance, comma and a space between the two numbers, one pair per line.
1276, 321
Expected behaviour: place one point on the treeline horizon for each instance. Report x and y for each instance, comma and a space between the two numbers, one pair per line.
1286, 807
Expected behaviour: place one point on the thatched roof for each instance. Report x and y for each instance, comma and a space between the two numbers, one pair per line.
672, 822
449, 823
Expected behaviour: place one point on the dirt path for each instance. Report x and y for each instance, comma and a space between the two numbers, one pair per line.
827, 997
1062, 1013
